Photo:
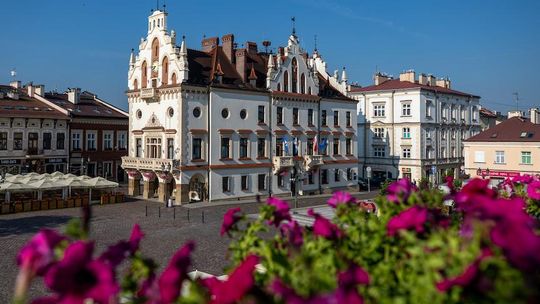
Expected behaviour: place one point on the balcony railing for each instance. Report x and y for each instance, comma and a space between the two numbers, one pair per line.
282, 162
146, 163
312, 161
148, 93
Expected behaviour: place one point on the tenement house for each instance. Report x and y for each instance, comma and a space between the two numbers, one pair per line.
413, 127
225, 122
33, 131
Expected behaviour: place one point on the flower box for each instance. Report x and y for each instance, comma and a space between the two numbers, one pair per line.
27, 206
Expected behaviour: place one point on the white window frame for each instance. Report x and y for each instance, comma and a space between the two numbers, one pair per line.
76, 137
406, 153
92, 139
526, 154
499, 157
406, 109
406, 132
121, 140
479, 157
379, 110
109, 140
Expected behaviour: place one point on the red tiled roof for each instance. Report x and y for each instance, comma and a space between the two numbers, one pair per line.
26, 106
515, 129
487, 113
87, 107
396, 84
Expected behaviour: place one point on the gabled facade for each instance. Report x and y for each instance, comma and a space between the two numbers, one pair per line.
227, 123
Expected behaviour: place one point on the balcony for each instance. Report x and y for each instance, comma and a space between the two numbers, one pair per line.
33, 152
282, 162
148, 94
312, 161
138, 163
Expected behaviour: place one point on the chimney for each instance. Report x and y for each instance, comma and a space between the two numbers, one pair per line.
74, 95
422, 79
30, 90
15, 84
512, 114
408, 75
228, 46
251, 47
241, 63
380, 78
209, 43
535, 116
432, 80
443, 82
39, 89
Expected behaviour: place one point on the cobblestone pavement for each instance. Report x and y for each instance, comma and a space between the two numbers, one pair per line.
166, 229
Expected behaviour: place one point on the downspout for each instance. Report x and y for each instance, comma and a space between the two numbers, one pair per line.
394, 137
365, 134
208, 120
270, 176
319, 140
437, 147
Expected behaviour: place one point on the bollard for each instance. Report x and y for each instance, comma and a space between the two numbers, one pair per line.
202, 215
146, 210
159, 211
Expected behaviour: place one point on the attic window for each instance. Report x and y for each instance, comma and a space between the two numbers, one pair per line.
523, 134
493, 135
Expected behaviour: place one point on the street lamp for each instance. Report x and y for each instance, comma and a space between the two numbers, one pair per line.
297, 175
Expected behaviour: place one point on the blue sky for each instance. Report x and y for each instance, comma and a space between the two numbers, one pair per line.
489, 48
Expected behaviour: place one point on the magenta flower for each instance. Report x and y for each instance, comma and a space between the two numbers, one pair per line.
468, 277
294, 232
38, 254
471, 191
533, 190
519, 243
400, 191
523, 179
229, 220
281, 210
323, 227
413, 218
239, 282
170, 281
115, 254
77, 278
340, 197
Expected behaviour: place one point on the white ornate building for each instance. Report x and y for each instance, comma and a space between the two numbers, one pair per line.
409, 126
225, 122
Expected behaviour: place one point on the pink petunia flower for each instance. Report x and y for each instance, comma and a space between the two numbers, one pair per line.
294, 232
400, 190
533, 190
170, 281
229, 220
37, 255
78, 278
340, 197
281, 210
239, 282
325, 228
115, 254
413, 218
468, 277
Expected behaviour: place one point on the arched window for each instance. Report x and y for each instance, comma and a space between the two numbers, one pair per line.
135, 84
303, 83
173, 78
294, 76
155, 49
286, 81
144, 76
158, 22
165, 71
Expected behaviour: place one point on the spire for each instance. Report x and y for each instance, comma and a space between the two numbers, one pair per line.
132, 58
270, 62
183, 50
344, 75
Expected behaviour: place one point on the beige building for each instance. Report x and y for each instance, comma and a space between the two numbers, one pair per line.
508, 149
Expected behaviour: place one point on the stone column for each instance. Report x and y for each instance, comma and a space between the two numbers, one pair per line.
148, 187
163, 190
134, 182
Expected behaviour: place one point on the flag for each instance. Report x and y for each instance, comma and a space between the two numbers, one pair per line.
295, 146
323, 144
315, 145
286, 145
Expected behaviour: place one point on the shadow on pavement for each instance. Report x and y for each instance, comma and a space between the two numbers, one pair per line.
30, 224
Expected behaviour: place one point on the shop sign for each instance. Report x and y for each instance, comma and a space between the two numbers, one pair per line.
496, 173
55, 160
10, 161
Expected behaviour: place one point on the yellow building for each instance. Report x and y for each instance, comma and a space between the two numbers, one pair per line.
509, 149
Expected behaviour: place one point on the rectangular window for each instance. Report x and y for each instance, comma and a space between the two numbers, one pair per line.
349, 174
225, 147
107, 141
153, 147
260, 115
60, 141
243, 147
261, 182
323, 118
499, 157
280, 181
90, 141
309, 146
107, 169
196, 149
479, 157
336, 146
76, 141
245, 186
47, 138
337, 175
348, 146
348, 118
406, 132
406, 109
122, 142
336, 118
379, 110
3, 140
324, 176
526, 157
378, 132
138, 147
170, 148
406, 152
18, 140
295, 116
279, 146
443, 111
379, 151
33, 138
225, 184
279, 115
261, 147
310, 117
429, 108
310, 178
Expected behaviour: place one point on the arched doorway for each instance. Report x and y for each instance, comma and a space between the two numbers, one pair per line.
155, 186
197, 184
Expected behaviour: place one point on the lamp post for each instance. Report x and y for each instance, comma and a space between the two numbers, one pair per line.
297, 175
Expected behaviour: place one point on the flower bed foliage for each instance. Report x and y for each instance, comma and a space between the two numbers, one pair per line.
484, 248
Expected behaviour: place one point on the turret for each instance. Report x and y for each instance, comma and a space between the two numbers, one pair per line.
183, 60
132, 59
344, 75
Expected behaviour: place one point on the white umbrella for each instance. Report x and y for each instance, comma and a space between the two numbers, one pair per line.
100, 182
14, 187
57, 174
45, 184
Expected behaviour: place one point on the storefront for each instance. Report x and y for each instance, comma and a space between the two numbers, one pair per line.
55, 164
12, 166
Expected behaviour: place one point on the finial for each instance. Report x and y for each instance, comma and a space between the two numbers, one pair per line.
183, 37
293, 19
